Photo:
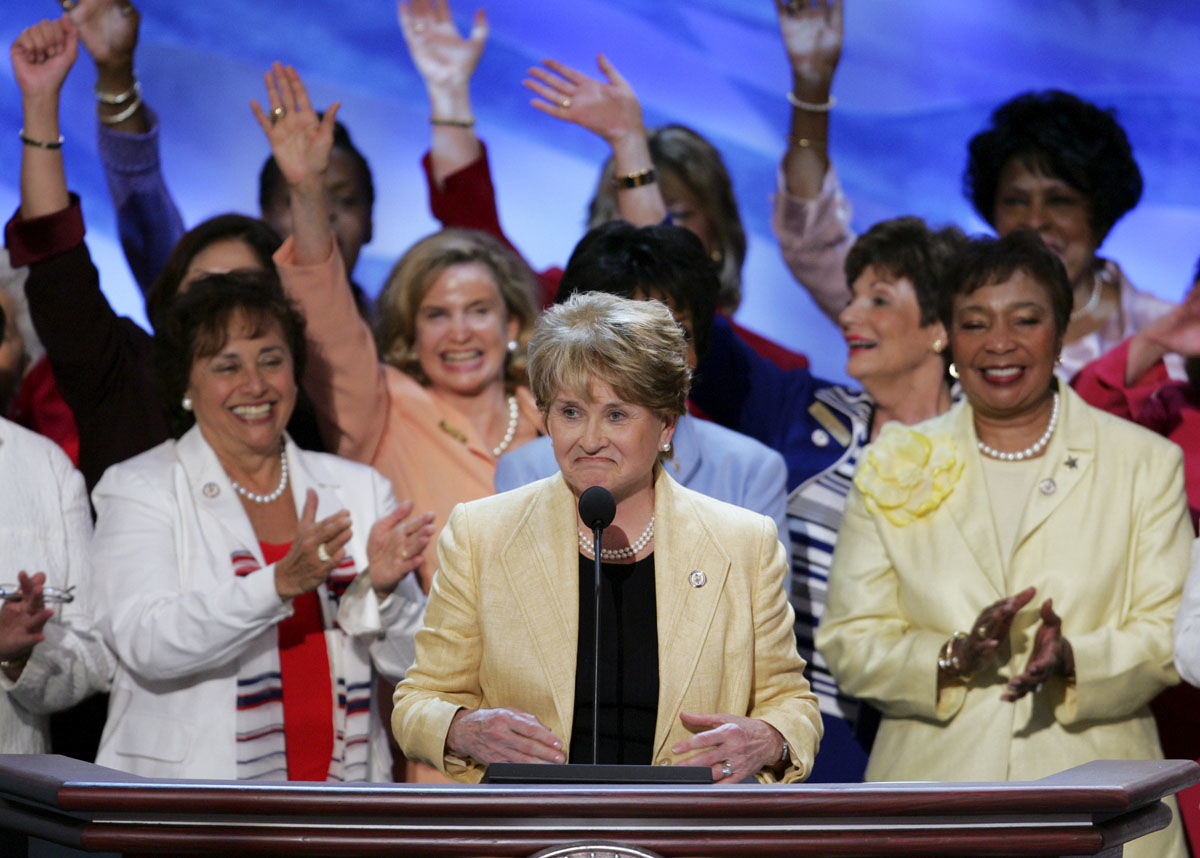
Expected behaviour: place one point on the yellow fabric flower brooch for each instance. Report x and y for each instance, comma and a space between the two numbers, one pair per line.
906, 475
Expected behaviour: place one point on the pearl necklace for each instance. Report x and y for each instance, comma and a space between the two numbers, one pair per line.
273, 496
513, 414
1093, 299
1030, 451
587, 547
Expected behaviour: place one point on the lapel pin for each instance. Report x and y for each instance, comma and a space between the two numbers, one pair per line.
1071, 462
697, 578
820, 437
1047, 486
211, 490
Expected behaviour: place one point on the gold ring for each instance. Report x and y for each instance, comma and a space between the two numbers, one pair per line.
982, 631
564, 102
277, 113
419, 27
323, 553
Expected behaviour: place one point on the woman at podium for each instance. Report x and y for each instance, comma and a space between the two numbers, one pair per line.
698, 665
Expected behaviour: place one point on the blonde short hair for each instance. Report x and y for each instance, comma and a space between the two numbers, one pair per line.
636, 347
411, 278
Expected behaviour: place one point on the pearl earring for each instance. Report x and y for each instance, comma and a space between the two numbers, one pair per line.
666, 448
186, 403
937, 346
512, 346
953, 370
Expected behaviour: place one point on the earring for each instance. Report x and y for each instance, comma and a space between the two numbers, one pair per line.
512, 346
953, 370
1058, 360
716, 256
937, 346
186, 403
666, 448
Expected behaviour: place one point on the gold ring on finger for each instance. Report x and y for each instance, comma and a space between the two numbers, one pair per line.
982, 631
277, 113
323, 553
67, 5
726, 769
564, 102
419, 27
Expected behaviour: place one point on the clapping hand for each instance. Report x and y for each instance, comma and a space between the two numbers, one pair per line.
978, 649
394, 546
1051, 656
316, 551
22, 621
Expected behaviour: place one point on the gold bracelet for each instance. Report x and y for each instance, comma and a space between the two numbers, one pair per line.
453, 123
122, 114
636, 180
40, 144
811, 107
121, 97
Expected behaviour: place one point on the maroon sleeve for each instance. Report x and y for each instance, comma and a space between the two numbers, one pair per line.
41, 238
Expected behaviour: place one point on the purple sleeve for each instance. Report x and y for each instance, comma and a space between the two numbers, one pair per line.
147, 219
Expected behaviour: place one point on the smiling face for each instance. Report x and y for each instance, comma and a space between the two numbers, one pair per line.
883, 330
1004, 345
463, 329
244, 394
601, 440
1030, 199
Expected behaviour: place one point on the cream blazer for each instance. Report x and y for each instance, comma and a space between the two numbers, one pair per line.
502, 623
1105, 533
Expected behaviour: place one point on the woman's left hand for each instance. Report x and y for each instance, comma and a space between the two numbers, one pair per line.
300, 141
394, 547
21, 622
1051, 656
735, 744
610, 110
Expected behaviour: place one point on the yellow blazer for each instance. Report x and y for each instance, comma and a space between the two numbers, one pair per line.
1105, 533
502, 623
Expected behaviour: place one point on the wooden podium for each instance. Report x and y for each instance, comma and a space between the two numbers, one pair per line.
52, 806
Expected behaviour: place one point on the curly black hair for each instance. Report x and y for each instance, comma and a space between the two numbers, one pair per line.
1063, 136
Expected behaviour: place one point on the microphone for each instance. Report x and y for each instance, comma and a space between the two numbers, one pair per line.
597, 508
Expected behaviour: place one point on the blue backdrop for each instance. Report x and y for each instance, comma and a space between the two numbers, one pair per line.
916, 80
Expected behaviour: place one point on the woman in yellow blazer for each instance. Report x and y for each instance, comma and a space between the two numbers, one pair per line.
698, 663
1007, 573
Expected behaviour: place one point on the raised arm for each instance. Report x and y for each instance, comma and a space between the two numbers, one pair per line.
343, 374
811, 218
609, 109
147, 218
446, 62
41, 57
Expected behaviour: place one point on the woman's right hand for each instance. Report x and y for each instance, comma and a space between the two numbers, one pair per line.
21, 622
302, 569
978, 649
41, 57
108, 29
502, 736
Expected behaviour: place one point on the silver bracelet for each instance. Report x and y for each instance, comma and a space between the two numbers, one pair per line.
123, 114
795, 101
121, 97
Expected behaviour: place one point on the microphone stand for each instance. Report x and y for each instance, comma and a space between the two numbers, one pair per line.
596, 542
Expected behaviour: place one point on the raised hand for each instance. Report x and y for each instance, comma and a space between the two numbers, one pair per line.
609, 109
1051, 656
443, 57
108, 30
733, 745
394, 546
316, 551
502, 736
21, 622
812, 35
990, 629
41, 57
300, 140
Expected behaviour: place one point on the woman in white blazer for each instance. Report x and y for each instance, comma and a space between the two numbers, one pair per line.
698, 665
1007, 573
244, 583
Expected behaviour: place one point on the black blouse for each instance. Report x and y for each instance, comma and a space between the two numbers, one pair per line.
628, 663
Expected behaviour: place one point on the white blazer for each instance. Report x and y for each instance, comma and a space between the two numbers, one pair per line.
171, 607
